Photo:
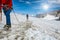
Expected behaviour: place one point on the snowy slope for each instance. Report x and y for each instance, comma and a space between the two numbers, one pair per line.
50, 17
34, 29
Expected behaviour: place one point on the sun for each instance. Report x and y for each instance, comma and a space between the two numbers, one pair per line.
45, 7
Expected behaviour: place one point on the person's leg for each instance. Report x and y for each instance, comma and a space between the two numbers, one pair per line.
8, 21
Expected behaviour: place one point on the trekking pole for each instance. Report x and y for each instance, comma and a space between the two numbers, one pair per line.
16, 16
0, 15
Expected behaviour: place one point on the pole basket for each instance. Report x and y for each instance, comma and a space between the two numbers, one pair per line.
0, 15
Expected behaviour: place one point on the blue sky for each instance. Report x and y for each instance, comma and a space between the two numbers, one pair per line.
34, 6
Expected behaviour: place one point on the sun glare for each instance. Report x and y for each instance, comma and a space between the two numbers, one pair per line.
45, 7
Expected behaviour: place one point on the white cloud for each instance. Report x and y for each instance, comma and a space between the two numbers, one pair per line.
27, 2
54, 1
21, 1
36, 1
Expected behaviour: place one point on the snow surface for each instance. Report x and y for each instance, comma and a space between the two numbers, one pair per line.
32, 29
50, 17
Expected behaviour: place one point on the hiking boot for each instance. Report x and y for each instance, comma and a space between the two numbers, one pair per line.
7, 27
